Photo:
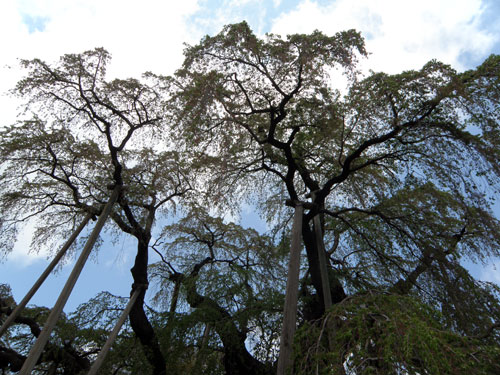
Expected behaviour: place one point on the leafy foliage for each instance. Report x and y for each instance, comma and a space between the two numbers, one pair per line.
374, 333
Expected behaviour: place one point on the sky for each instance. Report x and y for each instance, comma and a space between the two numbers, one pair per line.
149, 36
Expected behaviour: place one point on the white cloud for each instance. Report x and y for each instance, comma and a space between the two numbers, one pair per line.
239, 3
149, 35
211, 19
400, 35
141, 36
21, 254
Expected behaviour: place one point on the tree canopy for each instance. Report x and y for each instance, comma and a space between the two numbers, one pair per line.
397, 175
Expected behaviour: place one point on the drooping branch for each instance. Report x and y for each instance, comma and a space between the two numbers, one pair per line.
237, 359
429, 256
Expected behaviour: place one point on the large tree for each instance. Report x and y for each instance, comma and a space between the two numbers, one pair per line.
80, 134
401, 169
396, 174
83, 133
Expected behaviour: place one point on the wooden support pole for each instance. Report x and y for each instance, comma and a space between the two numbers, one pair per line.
285, 360
114, 334
12, 317
39, 345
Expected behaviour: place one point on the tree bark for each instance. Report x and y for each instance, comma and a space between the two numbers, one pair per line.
323, 269
138, 319
336, 290
237, 359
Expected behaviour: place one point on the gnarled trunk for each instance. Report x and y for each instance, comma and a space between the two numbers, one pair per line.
237, 359
138, 318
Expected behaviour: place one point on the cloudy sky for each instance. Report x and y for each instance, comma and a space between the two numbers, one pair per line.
149, 36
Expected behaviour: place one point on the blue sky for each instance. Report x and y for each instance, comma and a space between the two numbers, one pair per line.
149, 35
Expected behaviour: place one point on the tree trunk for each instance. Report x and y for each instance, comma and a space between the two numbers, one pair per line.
237, 359
323, 269
336, 289
138, 319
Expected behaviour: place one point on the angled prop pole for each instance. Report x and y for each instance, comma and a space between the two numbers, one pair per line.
12, 317
37, 348
292, 294
112, 337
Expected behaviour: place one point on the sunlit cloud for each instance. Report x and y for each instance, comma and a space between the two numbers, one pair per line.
22, 254
400, 35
